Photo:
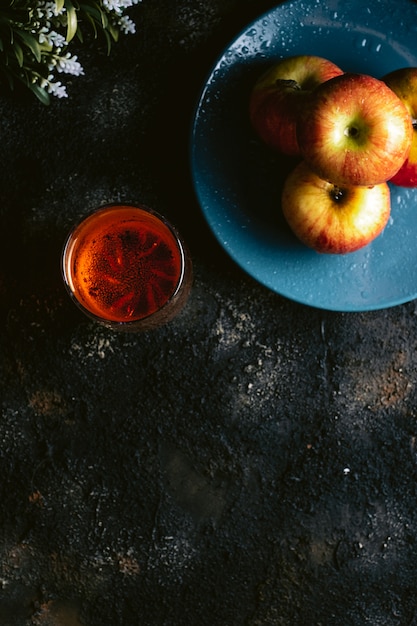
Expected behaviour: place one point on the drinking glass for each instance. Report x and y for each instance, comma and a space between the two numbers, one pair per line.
127, 267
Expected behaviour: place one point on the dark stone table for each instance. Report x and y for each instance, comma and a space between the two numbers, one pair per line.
253, 462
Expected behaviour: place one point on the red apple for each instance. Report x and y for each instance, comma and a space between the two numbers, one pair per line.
330, 218
280, 93
404, 83
355, 131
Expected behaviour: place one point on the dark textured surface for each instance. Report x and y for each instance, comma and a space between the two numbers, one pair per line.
252, 463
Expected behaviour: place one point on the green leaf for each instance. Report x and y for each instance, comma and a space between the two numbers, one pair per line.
18, 53
108, 40
93, 26
40, 93
95, 13
31, 43
80, 35
114, 31
72, 20
59, 5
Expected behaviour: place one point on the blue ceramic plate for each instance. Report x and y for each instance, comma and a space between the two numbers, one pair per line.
238, 182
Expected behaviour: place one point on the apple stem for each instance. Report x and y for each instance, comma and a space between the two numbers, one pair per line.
351, 131
288, 82
337, 194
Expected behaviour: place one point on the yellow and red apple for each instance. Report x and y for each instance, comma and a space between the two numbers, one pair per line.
355, 131
279, 95
403, 82
331, 218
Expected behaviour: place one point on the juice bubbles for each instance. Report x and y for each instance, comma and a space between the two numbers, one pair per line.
124, 265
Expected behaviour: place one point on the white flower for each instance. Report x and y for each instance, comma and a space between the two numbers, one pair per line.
69, 65
51, 9
43, 35
56, 89
48, 25
52, 38
57, 39
127, 25
118, 6
112, 5
47, 10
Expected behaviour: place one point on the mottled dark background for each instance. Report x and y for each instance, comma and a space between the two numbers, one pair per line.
254, 462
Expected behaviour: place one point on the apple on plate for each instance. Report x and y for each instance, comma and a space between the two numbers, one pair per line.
280, 93
330, 218
355, 131
403, 82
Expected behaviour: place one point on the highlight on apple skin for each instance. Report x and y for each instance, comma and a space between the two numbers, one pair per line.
330, 218
280, 93
355, 131
403, 81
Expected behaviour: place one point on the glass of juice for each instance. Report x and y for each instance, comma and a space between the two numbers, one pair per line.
127, 267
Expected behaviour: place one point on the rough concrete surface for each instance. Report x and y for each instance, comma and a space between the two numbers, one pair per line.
252, 463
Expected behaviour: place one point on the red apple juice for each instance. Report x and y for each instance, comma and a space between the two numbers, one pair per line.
123, 263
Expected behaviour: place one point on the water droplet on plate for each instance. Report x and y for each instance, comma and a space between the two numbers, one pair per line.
265, 45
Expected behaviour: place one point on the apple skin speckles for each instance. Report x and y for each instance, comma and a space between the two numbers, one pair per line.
281, 93
330, 219
355, 131
403, 82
